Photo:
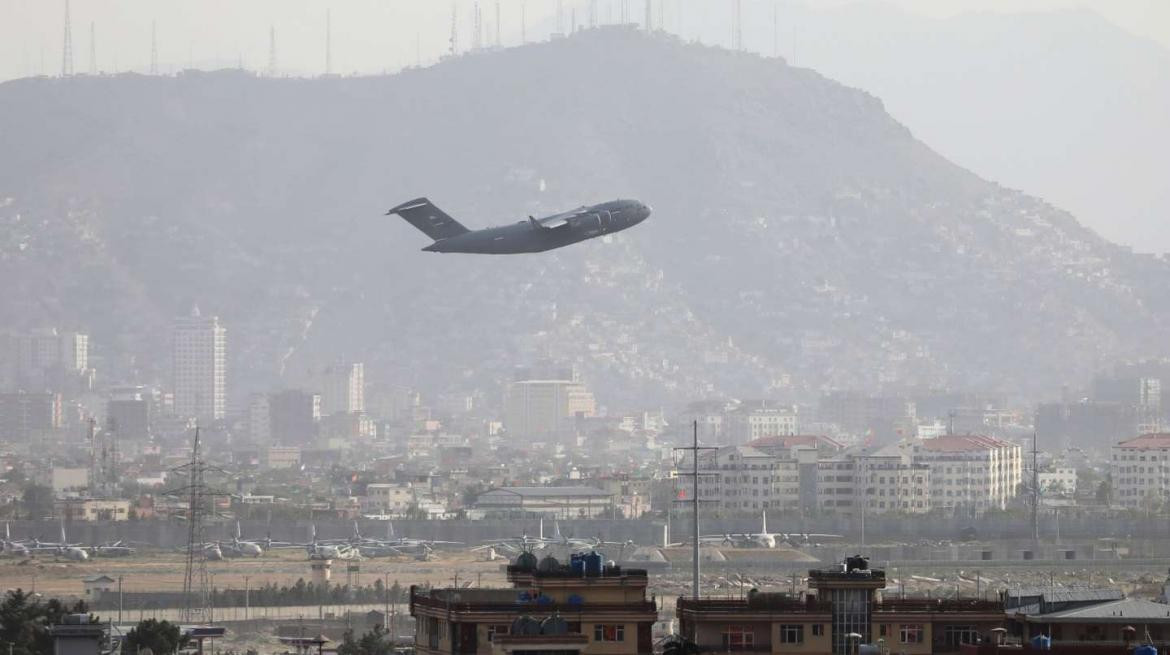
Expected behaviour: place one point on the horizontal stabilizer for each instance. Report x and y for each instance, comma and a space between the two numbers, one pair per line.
431, 220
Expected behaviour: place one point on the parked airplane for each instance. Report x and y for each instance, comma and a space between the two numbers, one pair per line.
523, 543
74, 552
765, 539
13, 548
238, 547
532, 235
318, 550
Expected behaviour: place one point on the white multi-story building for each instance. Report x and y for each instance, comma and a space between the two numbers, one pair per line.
968, 471
745, 478
540, 407
199, 361
748, 424
1058, 480
1141, 470
343, 389
893, 484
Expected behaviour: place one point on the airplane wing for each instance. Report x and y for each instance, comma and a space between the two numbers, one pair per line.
556, 220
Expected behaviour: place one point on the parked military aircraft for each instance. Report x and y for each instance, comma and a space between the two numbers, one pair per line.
765, 539
13, 548
532, 235
523, 543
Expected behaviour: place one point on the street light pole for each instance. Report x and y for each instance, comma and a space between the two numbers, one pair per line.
119, 600
247, 598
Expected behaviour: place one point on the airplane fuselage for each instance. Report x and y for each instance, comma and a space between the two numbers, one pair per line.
532, 235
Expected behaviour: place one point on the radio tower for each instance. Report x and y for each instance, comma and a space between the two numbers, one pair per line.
328, 43
67, 49
271, 51
153, 49
92, 50
196, 598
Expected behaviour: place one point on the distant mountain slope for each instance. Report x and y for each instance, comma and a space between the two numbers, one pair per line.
801, 238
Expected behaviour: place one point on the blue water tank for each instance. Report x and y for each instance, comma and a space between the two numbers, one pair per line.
1042, 642
577, 563
593, 564
1145, 650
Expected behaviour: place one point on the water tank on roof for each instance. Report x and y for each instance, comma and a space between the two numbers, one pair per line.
554, 625
593, 564
1145, 650
577, 563
856, 563
526, 561
1042, 642
548, 565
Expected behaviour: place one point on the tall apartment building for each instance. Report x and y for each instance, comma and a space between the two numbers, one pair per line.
967, 471
45, 359
541, 407
343, 389
1140, 469
745, 478
294, 417
27, 416
199, 366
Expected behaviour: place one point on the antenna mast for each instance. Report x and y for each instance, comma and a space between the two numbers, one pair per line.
328, 43
271, 51
649, 16
92, 50
454, 30
67, 48
739, 25
153, 49
1035, 493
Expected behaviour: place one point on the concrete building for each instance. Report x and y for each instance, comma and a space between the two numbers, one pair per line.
1140, 469
294, 417
91, 509
281, 457
746, 478
843, 612
541, 407
259, 419
559, 502
757, 420
343, 389
391, 499
28, 416
129, 412
68, 479
893, 484
551, 608
45, 359
199, 366
1059, 480
967, 471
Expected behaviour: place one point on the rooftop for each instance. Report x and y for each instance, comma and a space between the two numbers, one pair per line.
1152, 441
537, 492
962, 443
1125, 610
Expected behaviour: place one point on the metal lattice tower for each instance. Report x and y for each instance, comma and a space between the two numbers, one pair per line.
196, 586
153, 48
271, 51
67, 48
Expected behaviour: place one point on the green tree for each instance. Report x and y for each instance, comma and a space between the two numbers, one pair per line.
161, 637
374, 642
37, 501
25, 621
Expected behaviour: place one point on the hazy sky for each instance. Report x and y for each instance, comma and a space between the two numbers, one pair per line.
368, 35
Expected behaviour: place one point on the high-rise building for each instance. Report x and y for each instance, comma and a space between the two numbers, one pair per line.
259, 419
972, 472
129, 412
199, 357
343, 389
541, 407
45, 359
294, 417
25, 416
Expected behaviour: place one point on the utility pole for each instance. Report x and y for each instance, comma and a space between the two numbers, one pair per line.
454, 40
92, 50
1035, 493
328, 43
271, 51
695, 449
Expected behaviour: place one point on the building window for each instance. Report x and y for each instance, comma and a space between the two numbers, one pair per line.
792, 634
738, 637
494, 630
818, 629
607, 632
910, 633
956, 635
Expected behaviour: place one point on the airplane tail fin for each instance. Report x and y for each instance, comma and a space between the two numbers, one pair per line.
431, 220
764, 522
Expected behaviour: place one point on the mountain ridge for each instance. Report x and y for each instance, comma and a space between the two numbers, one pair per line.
802, 239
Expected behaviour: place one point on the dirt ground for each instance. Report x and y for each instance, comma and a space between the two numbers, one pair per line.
54, 577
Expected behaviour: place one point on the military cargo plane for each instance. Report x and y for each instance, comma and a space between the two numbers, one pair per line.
532, 235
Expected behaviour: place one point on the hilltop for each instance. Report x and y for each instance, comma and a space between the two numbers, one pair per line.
802, 238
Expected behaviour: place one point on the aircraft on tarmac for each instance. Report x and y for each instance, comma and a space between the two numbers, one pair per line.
13, 548
532, 235
524, 543
237, 546
765, 539
331, 549
73, 552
